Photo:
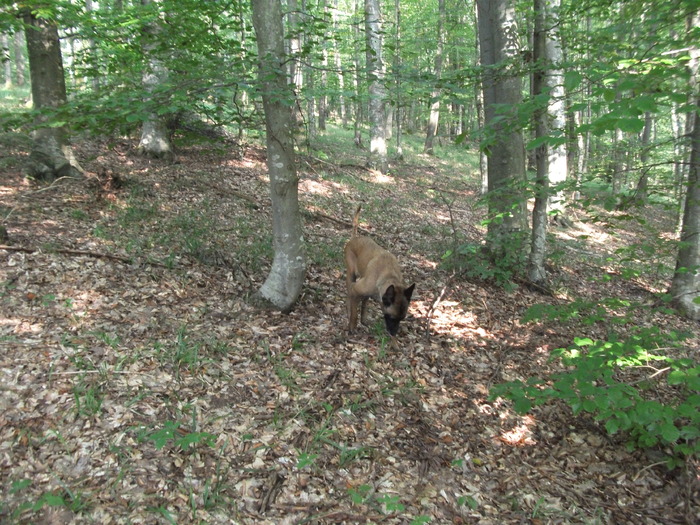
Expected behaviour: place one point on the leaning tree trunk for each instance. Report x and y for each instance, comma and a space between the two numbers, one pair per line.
377, 92
155, 138
283, 284
501, 85
51, 154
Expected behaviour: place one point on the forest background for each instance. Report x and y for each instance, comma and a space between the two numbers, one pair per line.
534, 166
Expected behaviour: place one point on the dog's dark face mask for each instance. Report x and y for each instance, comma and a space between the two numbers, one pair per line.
395, 306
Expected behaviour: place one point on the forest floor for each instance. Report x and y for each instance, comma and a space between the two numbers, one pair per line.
141, 385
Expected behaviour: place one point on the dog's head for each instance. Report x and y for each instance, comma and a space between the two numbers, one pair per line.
395, 306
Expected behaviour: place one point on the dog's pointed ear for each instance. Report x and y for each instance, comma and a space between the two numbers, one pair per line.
389, 296
408, 292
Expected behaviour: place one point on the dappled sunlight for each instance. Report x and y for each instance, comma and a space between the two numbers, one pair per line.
521, 434
381, 178
583, 231
323, 189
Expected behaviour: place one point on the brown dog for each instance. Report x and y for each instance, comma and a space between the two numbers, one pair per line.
374, 272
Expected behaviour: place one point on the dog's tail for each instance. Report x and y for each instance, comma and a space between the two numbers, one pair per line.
356, 221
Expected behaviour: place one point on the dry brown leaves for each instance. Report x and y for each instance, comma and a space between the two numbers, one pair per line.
144, 387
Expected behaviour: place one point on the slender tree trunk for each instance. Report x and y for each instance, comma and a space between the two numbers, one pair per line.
499, 49
5, 57
322, 102
339, 69
480, 117
19, 58
434, 118
155, 138
377, 92
397, 75
538, 244
557, 169
357, 121
284, 282
51, 154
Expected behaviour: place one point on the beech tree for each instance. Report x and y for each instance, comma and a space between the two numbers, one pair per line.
685, 287
435, 97
155, 140
284, 282
551, 156
51, 155
377, 91
501, 84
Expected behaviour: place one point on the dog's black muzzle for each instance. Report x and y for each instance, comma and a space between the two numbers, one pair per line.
392, 325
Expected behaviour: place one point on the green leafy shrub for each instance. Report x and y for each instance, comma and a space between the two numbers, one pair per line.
595, 382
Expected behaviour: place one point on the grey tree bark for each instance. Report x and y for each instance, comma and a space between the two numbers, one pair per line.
501, 85
155, 139
434, 118
51, 155
551, 159
377, 91
284, 282
685, 287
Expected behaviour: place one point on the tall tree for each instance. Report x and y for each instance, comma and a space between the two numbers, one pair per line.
551, 154
685, 287
501, 85
377, 91
51, 155
284, 282
435, 97
155, 139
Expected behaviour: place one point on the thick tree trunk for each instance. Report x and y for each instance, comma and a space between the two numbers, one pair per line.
155, 138
434, 118
51, 155
377, 92
284, 282
501, 84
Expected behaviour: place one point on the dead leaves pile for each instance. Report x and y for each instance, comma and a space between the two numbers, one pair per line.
140, 385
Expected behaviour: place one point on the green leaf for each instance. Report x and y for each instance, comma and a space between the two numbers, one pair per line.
630, 125
612, 426
522, 405
572, 80
669, 432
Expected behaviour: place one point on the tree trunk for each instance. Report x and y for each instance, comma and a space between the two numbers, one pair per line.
685, 288
397, 75
155, 139
377, 93
499, 48
51, 154
5, 57
538, 245
339, 69
357, 120
19, 58
557, 169
284, 282
435, 96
